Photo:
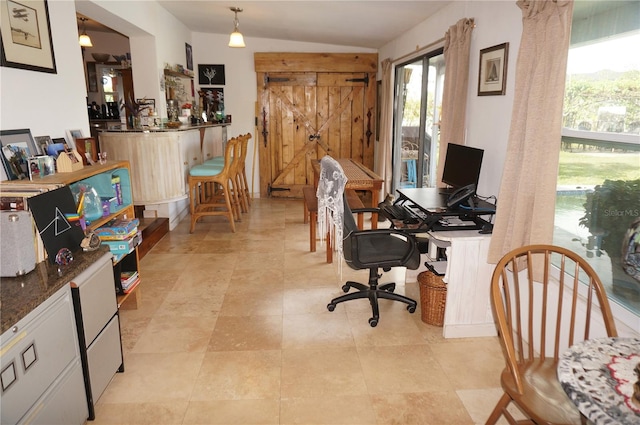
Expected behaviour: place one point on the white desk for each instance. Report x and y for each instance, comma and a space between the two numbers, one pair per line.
468, 277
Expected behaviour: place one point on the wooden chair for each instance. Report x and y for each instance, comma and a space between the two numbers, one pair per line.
210, 190
542, 308
240, 173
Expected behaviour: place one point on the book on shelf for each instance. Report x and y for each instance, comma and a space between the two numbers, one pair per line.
132, 286
126, 278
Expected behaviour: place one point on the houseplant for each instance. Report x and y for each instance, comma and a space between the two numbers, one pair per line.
611, 211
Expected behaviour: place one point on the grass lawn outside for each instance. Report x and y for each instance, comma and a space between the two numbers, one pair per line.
592, 168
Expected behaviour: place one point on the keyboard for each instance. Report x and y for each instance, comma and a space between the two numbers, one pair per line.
396, 212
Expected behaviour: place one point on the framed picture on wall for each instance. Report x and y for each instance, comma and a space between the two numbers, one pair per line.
211, 75
492, 76
17, 147
189, 52
26, 36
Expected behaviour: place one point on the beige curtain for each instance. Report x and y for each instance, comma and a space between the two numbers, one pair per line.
457, 44
385, 138
527, 194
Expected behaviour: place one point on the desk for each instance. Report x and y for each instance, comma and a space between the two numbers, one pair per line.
359, 177
597, 375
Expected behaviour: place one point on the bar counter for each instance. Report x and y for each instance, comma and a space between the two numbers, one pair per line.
160, 160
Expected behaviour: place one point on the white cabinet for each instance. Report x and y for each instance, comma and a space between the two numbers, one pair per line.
98, 328
41, 374
468, 277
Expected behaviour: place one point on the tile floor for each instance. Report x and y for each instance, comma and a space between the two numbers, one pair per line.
233, 329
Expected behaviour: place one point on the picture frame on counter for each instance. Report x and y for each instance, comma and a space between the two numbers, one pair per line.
41, 144
17, 147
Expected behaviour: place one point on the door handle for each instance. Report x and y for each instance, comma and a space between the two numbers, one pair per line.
313, 137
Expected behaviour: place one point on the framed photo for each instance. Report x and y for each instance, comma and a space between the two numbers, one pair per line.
40, 166
17, 147
72, 135
189, 52
492, 76
26, 36
41, 144
210, 75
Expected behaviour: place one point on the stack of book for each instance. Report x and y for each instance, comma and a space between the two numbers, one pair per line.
121, 235
129, 280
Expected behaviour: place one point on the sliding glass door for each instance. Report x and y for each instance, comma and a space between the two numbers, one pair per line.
418, 101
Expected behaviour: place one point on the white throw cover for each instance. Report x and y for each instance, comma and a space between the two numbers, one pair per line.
330, 205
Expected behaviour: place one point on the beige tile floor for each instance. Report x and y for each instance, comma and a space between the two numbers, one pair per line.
233, 329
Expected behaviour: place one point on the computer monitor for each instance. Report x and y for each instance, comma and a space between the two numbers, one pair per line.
462, 166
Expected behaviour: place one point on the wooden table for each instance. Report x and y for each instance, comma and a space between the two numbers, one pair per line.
597, 375
359, 177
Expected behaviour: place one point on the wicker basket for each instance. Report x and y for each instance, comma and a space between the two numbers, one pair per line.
433, 297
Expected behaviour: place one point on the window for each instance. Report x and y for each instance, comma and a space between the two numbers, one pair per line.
598, 194
419, 85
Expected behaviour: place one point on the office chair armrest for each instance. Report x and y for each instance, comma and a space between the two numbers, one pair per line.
366, 210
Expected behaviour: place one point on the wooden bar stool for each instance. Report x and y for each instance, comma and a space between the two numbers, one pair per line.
210, 190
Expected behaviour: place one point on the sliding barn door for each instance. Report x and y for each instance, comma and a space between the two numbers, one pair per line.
311, 105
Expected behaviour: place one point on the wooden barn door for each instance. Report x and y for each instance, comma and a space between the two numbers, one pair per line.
311, 105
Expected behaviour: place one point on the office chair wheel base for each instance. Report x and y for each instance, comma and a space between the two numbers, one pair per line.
373, 322
411, 308
345, 288
331, 307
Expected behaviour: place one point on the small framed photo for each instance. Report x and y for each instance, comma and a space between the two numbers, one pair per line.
492, 76
211, 75
26, 36
40, 166
41, 144
17, 147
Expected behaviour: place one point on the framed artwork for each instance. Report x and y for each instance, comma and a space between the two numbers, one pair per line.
17, 147
189, 52
26, 36
210, 75
492, 76
41, 144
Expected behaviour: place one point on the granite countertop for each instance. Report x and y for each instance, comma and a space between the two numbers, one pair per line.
20, 295
162, 128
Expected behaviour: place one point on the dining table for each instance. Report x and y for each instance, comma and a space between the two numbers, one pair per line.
359, 177
601, 377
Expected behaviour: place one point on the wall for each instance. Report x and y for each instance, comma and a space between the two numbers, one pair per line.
48, 104
156, 38
487, 117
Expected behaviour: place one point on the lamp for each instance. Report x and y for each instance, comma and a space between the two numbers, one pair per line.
236, 39
84, 39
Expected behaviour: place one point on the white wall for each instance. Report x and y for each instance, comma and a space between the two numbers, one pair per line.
48, 104
487, 117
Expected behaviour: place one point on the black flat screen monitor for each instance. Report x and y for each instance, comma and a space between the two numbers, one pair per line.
462, 165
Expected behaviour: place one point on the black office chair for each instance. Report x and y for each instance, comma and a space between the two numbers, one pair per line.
369, 249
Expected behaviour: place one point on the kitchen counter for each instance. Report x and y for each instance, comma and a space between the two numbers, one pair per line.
163, 128
20, 295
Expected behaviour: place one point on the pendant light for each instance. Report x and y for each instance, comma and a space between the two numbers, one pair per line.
84, 39
236, 39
